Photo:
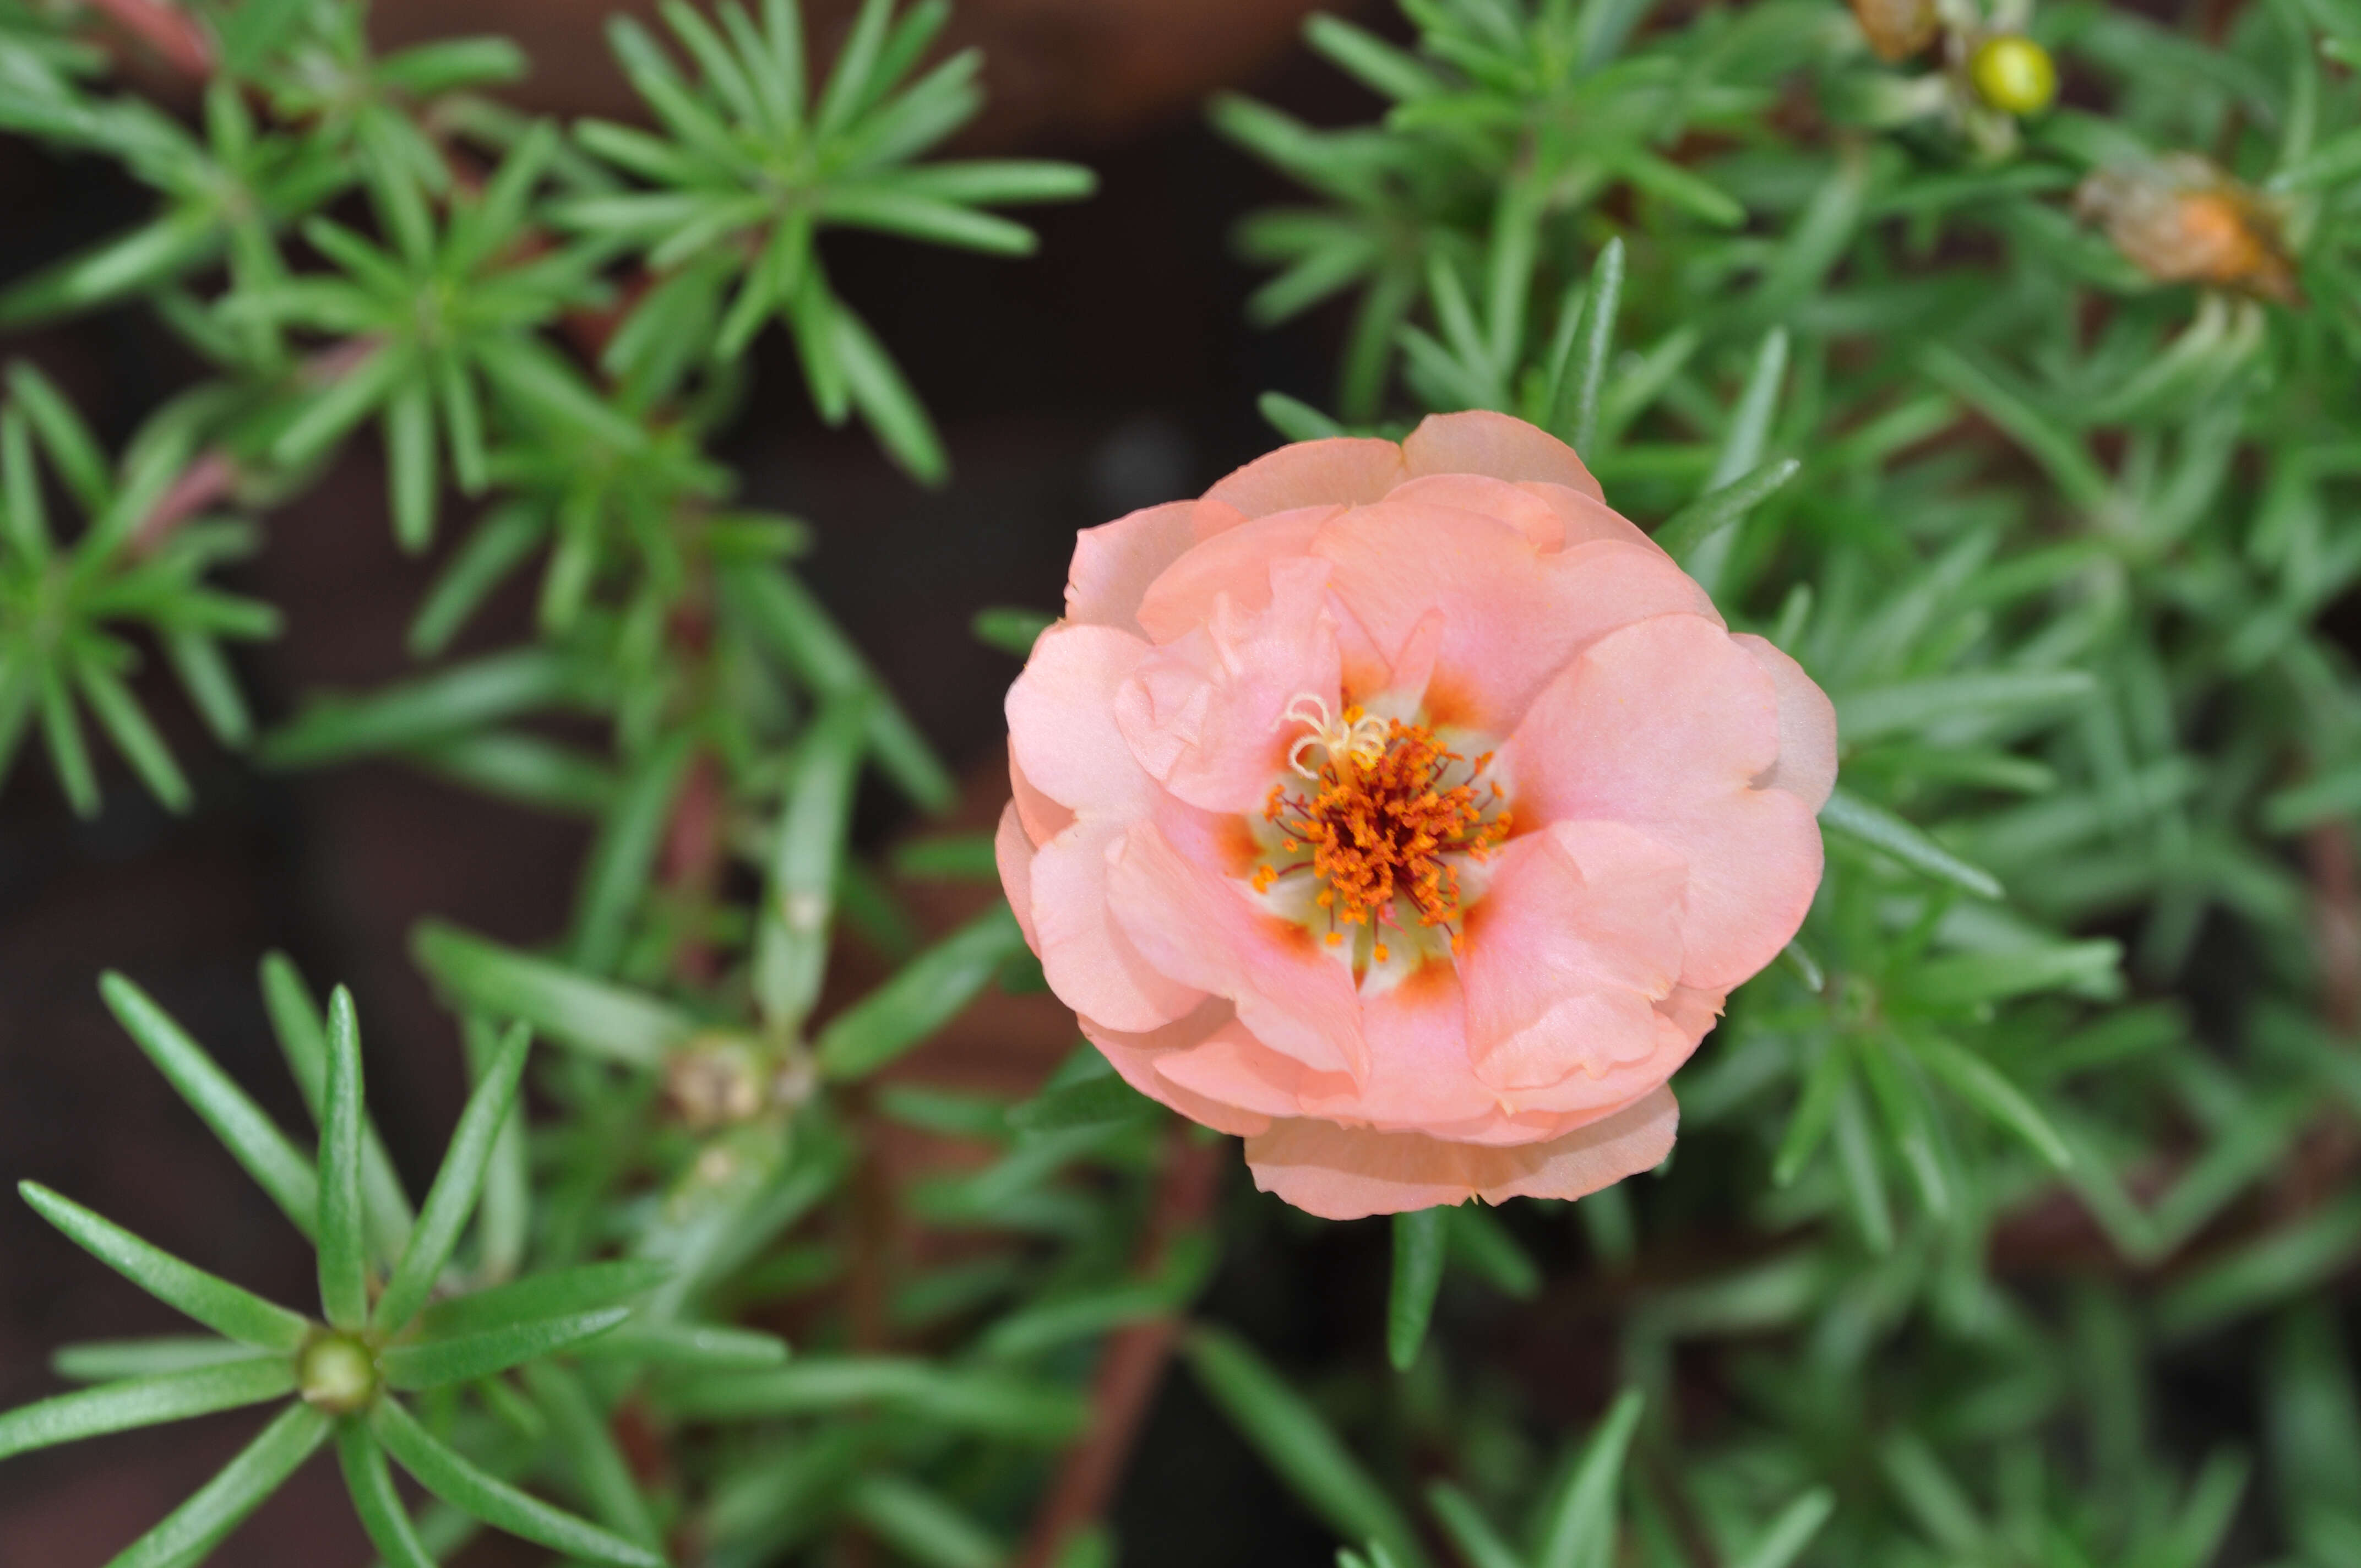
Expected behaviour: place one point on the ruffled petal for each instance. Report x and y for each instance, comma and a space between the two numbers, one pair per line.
1511, 615
1665, 725
1012, 851
1348, 1173
1566, 955
1236, 562
1135, 1058
1584, 516
1205, 714
1041, 818
1114, 562
1234, 1068
1086, 957
1519, 506
1806, 767
1198, 926
1344, 470
1062, 729
1481, 442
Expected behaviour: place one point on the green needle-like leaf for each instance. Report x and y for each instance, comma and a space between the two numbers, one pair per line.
217, 1507
457, 1186
105, 1360
1687, 533
1784, 1539
1419, 1253
923, 994
1469, 1530
144, 1402
370, 1481
1294, 1440
425, 1363
214, 1302
589, 1014
557, 1293
452, 1477
1881, 830
303, 1040
1579, 1524
791, 949
273, 1162
344, 1259
586, 1438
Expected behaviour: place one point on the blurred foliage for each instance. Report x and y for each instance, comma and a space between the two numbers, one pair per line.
2026, 428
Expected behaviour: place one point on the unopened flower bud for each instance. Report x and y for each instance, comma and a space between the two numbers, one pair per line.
1897, 28
716, 1080
2179, 219
336, 1373
2012, 73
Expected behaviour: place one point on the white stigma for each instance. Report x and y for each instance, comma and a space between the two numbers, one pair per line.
1361, 737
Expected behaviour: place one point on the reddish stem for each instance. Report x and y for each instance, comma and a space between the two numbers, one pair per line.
1133, 1364
206, 480
692, 858
177, 38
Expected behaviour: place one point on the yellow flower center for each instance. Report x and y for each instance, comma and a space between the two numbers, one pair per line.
1378, 821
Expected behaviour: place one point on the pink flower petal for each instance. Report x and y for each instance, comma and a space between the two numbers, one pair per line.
1232, 1068
1583, 516
1347, 1173
1012, 851
1806, 768
1062, 728
1041, 818
1482, 441
1566, 957
1135, 1058
1114, 562
1512, 616
1204, 713
1665, 724
1086, 956
1341, 471
1196, 924
1516, 505
1236, 562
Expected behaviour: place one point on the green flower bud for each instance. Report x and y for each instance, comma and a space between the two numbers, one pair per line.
2014, 73
337, 1374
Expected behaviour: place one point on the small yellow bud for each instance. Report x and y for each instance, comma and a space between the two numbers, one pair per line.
2014, 73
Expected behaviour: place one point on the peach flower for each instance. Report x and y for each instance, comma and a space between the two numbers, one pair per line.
1407, 811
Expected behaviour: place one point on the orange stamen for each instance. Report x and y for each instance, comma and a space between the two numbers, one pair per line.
1380, 821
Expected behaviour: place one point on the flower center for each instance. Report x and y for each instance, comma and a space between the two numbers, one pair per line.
1378, 821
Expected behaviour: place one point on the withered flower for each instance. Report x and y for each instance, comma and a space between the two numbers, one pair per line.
1897, 28
2180, 219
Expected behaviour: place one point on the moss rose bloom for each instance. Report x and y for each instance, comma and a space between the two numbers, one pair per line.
1404, 809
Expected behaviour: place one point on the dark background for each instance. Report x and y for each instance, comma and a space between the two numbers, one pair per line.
1114, 369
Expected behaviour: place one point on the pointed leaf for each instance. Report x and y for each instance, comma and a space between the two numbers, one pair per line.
370, 1480
1418, 1275
1293, 1440
1579, 1525
422, 1364
213, 1301
144, 1402
453, 1197
591, 1015
559, 1293
236, 1121
343, 1257
450, 1476
218, 1507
